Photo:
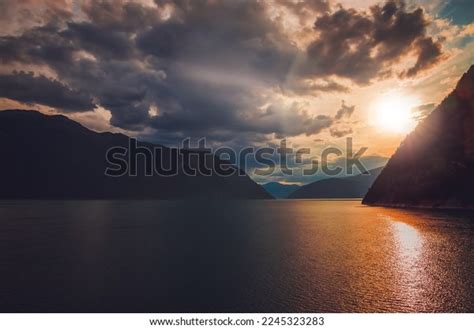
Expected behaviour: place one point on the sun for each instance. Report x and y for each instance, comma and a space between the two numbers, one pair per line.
393, 113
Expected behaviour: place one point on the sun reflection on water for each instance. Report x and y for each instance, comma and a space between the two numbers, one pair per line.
409, 241
408, 261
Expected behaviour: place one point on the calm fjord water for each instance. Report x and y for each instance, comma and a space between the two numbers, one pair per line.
247, 256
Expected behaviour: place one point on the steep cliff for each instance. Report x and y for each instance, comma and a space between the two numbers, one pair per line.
434, 165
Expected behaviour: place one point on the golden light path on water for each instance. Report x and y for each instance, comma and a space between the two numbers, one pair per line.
382, 259
408, 260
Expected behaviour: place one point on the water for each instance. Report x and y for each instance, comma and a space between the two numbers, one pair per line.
245, 256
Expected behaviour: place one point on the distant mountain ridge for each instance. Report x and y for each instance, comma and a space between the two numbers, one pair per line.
53, 157
344, 187
280, 191
434, 165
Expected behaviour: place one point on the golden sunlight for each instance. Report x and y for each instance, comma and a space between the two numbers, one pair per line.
393, 113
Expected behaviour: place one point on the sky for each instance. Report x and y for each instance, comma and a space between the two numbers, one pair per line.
239, 73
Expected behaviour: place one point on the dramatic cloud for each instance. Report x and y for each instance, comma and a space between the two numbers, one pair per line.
360, 46
341, 125
26, 88
429, 53
227, 70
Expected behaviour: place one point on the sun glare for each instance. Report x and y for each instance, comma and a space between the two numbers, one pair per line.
393, 113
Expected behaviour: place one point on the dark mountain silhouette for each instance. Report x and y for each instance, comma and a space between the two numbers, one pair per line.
434, 165
280, 191
49, 157
347, 187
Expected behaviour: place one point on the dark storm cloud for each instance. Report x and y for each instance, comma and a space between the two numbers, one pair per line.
429, 53
100, 41
26, 88
37, 46
360, 45
236, 36
120, 15
211, 68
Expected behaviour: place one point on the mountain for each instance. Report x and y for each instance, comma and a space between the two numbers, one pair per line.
347, 187
280, 191
434, 165
50, 157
